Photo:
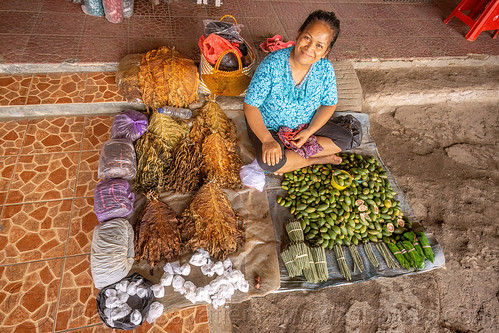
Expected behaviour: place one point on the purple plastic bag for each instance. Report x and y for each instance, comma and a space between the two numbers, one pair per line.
129, 124
113, 198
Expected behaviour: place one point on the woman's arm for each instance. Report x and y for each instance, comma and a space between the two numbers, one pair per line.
321, 116
271, 150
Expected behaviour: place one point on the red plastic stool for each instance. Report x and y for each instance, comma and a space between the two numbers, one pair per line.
487, 13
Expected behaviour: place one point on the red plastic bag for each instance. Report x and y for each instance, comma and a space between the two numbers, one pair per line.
113, 10
214, 45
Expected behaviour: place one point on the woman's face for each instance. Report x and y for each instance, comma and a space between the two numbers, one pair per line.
312, 43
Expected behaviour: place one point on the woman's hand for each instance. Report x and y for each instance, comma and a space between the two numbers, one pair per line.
271, 152
301, 137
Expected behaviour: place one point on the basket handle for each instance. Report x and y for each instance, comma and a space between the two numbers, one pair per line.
219, 60
228, 15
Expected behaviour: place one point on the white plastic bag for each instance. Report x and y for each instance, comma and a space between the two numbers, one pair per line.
253, 176
112, 252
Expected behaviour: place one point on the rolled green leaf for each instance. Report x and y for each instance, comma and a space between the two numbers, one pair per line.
411, 237
406, 255
425, 244
418, 261
398, 254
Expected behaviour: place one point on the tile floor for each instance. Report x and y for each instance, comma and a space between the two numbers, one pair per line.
48, 170
55, 31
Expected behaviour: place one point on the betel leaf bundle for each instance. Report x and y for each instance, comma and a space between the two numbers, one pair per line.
220, 164
166, 78
185, 169
157, 234
212, 119
210, 223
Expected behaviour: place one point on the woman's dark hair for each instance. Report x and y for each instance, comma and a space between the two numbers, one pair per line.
327, 17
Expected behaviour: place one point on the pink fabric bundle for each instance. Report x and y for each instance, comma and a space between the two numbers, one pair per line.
113, 10
308, 149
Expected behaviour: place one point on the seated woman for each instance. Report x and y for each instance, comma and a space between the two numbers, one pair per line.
296, 88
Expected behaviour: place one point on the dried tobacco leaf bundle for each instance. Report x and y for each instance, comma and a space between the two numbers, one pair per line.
153, 160
166, 78
211, 223
220, 164
185, 169
169, 129
212, 119
157, 235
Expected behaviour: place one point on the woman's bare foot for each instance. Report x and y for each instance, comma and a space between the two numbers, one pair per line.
330, 159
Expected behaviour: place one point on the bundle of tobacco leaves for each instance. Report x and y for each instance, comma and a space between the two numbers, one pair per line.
153, 160
185, 169
169, 129
220, 164
157, 235
212, 119
210, 223
166, 78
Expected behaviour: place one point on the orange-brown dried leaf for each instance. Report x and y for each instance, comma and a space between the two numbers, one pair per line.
185, 169
166, 78
221, 164
157, 234
210, 223
212, 119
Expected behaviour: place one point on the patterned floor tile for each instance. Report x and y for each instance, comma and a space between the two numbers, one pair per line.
12, 47
53, 135
177, 28
63, 24
14, 88
99, 26
228, 7
77, 304
12, 136
102, 49
87, 174
97, 132
150, 27
7, 166
252, 8
34, 231
51, 49
16, 23
57, 88
28, 294
44, 177
142, 8
143, 45
186, 9
288, 10
83, 222
60, 6
102, 87
22, 6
